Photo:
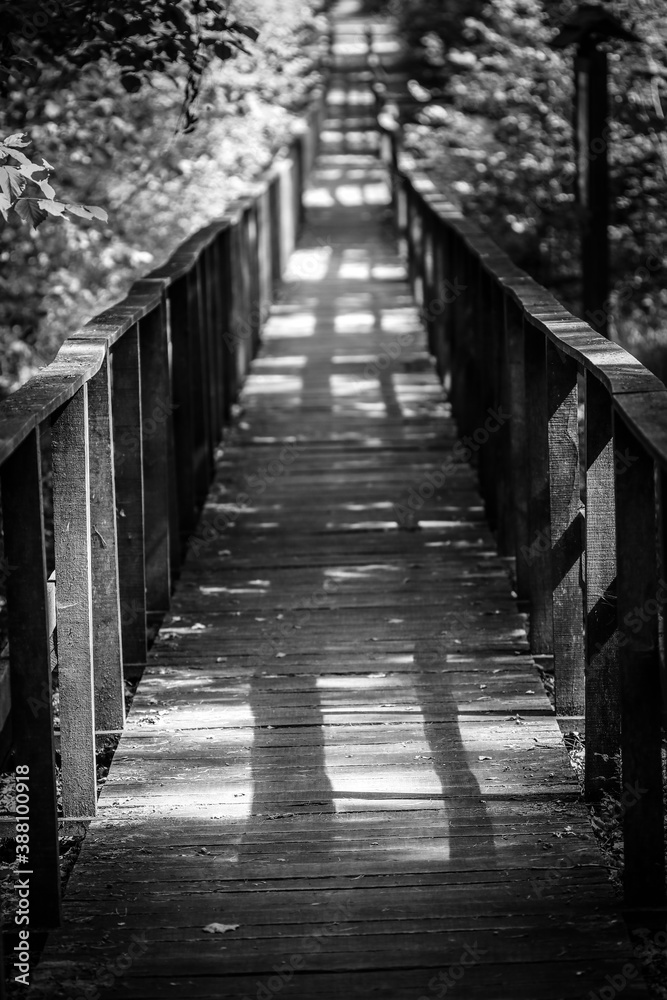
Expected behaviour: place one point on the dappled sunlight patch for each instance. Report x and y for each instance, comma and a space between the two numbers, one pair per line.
298, 324
284, 361
349, 385
361, 526
354, 359
354, 322
308, 264
388, 272
262, 384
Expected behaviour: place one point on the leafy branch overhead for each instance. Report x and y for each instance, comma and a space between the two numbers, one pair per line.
143, 37
25, 189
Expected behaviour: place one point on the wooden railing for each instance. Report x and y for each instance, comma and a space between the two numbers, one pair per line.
571, 437
127, 418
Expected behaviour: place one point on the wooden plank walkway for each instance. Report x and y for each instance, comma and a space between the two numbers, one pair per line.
340, 776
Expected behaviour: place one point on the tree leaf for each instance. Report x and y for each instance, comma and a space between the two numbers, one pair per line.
29, 210
11, 182
52, 207
17, 139
88, 212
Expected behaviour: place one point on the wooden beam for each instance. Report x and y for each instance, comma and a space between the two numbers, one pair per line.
128, 451
603, 722
30, 667
107, 641
639, 668
566, 533
156, 408
74, 605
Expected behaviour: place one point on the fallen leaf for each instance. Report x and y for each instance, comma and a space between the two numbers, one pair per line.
485, 758
215, 928
280, 655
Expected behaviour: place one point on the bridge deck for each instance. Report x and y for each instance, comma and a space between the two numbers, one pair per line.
341, 776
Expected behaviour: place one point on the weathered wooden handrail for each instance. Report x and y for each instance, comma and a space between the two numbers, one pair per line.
133, 405
590, 555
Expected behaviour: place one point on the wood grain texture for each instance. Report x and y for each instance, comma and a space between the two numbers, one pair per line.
567, 533
639, 669
107, 635
340, 748
127, 418
74, 604
603, 722
30, 666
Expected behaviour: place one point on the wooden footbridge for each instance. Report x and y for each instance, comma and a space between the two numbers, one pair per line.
316, 465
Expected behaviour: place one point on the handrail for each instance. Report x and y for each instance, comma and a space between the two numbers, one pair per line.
128, 416
590, 551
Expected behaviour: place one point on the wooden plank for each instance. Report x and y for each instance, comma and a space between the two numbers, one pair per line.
30, 667
74, 605
107, 638
128, 468
566, 528
639, 668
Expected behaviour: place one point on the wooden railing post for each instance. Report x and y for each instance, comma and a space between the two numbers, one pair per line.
517, 451
639, 669
538, 556
128, 463
183, 416
74, 605
566, 532
30, 668
107, 644
156, 408
603, 724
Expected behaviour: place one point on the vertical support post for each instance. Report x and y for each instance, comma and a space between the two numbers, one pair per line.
30, 667
518, 447
74, 605
567, 527
501, 440
107, 646
590, 67
128, 448
156, 407
603, 723
639, 668
538, 555
183, 417
229, 321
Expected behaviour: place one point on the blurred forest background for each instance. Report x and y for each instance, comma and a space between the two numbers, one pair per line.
119, 131
492, 114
